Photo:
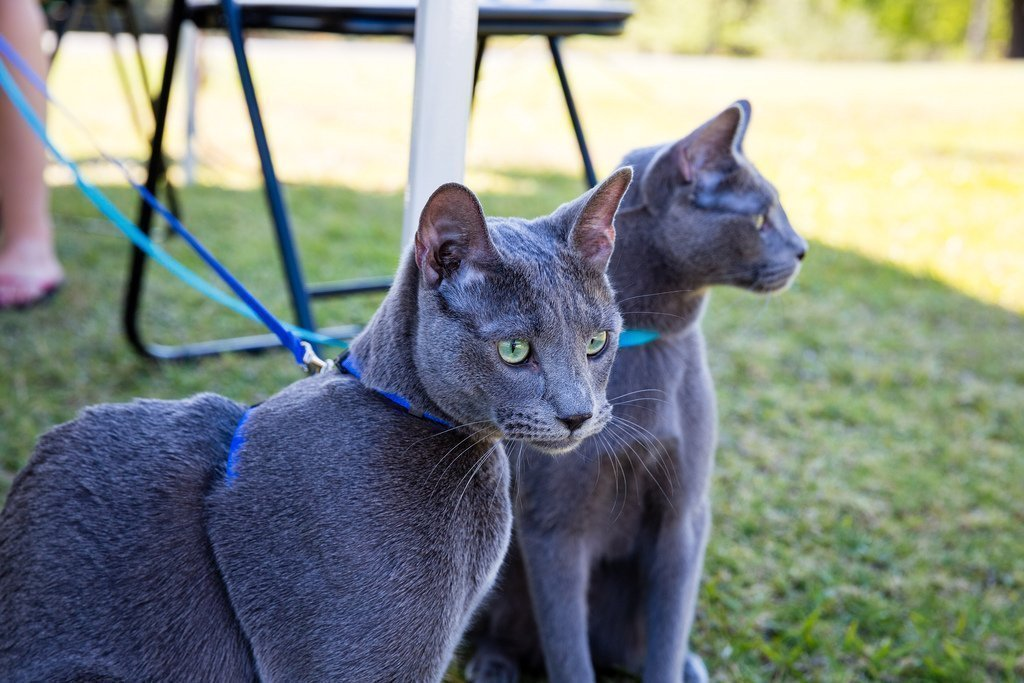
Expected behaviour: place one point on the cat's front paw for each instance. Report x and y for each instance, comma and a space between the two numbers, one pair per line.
490, 666
694, 670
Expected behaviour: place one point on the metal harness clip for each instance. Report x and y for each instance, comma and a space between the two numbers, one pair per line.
314, 363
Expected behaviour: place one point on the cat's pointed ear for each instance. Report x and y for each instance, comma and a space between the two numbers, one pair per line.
593, 236
452, 238
717, 143
712, 147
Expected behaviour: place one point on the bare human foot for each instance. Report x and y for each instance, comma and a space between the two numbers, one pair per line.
29, 269
29, 272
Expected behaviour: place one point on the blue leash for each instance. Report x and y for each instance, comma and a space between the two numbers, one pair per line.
295, 339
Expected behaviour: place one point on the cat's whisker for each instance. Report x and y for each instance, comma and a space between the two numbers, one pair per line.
644, 433
445, 431
638, 391
633, 403
472, 474
609, 449
660, 462
671, 315
456, 458
642, 398
436, 434
472, 469
671, 291
622, 467
668, 498
634, 431
440, 459
518, 479
619, 468
627, 443
497, 489
632, 406
596, 451
637, 425
626, 496
455, 428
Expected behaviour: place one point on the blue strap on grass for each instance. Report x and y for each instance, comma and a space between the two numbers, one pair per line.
249, 306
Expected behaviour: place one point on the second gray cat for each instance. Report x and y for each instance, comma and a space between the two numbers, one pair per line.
610, 539
356, 520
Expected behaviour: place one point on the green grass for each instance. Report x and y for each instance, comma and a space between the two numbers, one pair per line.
868, 499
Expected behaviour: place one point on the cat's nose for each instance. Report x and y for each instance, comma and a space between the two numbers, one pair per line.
800, 254
573, 422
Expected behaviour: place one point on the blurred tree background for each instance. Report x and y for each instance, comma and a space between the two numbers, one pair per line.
832, 29
796, 29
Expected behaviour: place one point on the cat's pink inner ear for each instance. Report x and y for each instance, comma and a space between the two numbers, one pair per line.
594, 232
718, 140
452, 234
683, 162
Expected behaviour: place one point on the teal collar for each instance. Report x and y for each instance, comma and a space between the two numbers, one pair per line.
637, 337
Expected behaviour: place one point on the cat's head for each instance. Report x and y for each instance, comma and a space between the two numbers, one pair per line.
714, 216
518, 325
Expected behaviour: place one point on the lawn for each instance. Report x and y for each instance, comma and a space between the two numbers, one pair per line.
869, 497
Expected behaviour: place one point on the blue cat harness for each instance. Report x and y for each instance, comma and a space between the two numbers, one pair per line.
348, 365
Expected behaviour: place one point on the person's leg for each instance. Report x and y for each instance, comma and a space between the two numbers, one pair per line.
28, 263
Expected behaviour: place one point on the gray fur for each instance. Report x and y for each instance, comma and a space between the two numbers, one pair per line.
103, 550
356, 539
610, 539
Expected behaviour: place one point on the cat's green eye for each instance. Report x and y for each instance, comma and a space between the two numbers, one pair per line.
758, 220
514, 351
597, 343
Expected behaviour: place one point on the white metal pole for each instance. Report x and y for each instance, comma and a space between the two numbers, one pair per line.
190, 48
445, 48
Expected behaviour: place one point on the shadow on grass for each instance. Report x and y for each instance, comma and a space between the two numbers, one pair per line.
867, 498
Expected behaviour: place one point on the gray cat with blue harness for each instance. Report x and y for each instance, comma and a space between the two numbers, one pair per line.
346, 528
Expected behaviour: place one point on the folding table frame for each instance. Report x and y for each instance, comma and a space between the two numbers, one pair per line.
554, 20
